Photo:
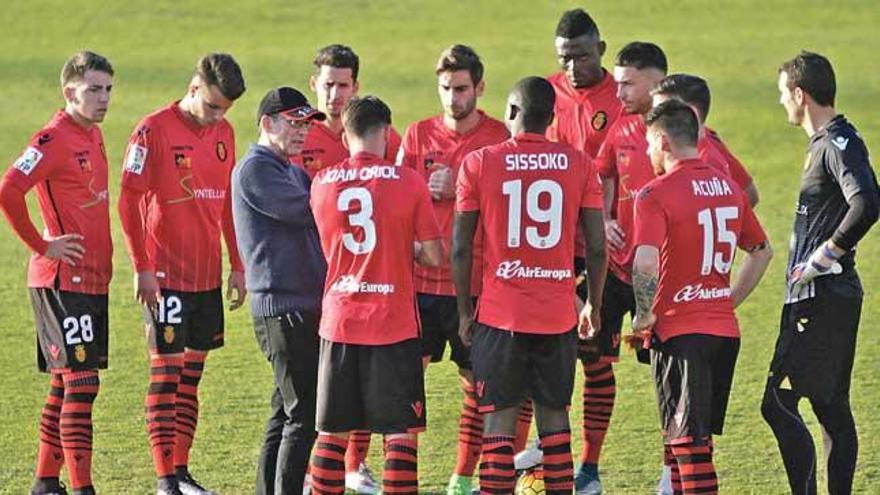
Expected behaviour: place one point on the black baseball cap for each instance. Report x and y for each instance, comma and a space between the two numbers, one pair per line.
288, 103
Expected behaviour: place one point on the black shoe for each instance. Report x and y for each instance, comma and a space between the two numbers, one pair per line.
48, 486
86, 490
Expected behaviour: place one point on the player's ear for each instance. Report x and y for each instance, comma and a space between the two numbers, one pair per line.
266, 124
313, 83
69, 93
799, 95
194, 84
664, 143
602, 47
345, 139
481, 86
355, 86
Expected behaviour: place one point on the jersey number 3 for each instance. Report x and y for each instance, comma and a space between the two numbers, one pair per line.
362, 219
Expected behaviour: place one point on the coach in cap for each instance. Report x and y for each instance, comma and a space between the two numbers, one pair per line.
285, 272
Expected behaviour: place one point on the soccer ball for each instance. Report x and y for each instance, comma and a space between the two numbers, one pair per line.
530, 482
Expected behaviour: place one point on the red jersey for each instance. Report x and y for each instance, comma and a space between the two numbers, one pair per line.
583, 116
68, 166
425, 145
624, 158
696, 216
324, 148
528, 192
369, 213
184, 171
714, 147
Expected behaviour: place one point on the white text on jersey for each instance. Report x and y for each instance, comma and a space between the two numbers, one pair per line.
711, 188
334, 175
536, 161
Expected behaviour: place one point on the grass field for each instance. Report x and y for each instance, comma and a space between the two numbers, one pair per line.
736, 46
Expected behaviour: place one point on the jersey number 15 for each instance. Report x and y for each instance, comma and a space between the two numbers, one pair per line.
715, 231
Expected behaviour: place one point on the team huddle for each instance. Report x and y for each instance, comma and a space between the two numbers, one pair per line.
521, 243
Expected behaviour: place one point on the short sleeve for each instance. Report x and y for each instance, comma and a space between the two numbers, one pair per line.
751, 233
140, 157
426, 223
405, 156
592, 194
605, 161
650, 219
467, 190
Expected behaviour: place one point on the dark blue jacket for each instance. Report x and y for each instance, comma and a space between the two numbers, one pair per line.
276, 233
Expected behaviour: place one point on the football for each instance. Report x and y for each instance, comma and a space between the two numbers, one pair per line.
530, 482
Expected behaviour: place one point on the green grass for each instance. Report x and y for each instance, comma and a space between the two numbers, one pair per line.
153, 45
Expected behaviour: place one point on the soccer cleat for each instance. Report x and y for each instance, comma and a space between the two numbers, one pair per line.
168, 485
664, 487
586, 481
529, 458
459, 485
189, 485
362, 481
48, 486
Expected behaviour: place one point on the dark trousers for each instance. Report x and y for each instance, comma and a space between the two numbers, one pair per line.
290, 343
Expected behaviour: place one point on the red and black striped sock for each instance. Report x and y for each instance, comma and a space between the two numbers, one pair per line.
675, 473
50, 456
599, 392
328, 465
358, 447
187, 405
470, 432
558, 465
401, 473
697, 471
523, 425
161, 411
80, 391
496, 465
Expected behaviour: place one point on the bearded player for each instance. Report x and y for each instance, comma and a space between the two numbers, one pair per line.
435, 147
688, 223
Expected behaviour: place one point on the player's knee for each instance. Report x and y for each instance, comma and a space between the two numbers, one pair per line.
549, 419
501, 422
835, 416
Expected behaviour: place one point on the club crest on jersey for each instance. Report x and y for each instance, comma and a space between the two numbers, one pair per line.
45, 138
182, 161
312, 163
168, 334
599, 120
221, 151
84, 164
28, 160
430, 160
79, 352
418, 408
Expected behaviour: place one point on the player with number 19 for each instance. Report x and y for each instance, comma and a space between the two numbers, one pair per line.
71, 265
373, 218
527, 197
684, 299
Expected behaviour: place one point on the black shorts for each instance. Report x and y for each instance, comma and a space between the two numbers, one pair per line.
617, 301
693, 375
380, 388
439, 316
816, 346
72, 330
512, 366
185, 320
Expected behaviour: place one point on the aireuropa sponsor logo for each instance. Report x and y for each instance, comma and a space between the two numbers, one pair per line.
514, 269
351, 285
690, 293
